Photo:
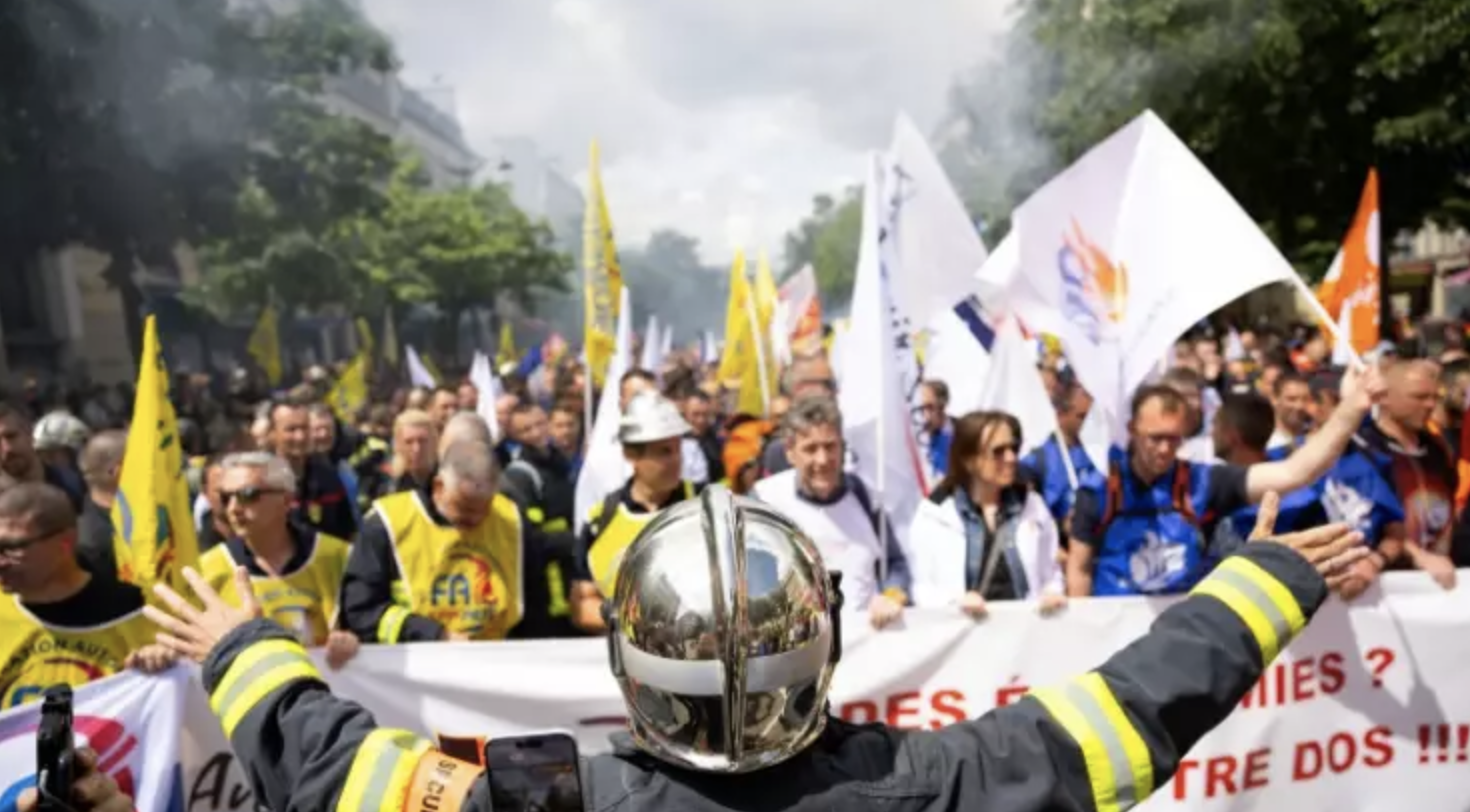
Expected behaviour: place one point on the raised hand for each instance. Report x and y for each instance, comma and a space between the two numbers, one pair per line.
191, 632
1331, 548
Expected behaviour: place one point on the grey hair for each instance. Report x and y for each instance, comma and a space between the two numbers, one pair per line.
810, 412
465, 427
469, 464
278, 473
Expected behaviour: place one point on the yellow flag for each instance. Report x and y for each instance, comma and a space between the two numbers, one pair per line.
732, 360
758, 375
351, 392
155, 526
432, 369
507, 353
265, 345
603, 279
364, 337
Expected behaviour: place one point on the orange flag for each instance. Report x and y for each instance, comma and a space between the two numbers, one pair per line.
1351, 283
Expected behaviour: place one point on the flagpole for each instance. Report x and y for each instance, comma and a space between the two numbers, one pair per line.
760, 353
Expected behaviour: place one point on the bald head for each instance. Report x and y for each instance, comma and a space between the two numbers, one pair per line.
465, 427
1413, 392
102, 458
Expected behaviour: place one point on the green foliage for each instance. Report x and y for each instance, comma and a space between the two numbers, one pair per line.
1289, 102
828, 239
133, 127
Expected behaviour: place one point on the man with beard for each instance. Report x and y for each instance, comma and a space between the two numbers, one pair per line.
539, 479
19, 460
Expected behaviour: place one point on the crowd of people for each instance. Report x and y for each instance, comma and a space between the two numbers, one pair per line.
418, 521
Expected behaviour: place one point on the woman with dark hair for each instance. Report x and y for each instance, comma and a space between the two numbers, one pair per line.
984, 535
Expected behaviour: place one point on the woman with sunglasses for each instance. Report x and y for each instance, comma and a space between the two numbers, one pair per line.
984, 535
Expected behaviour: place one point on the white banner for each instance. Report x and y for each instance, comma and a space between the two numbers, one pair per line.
131, 721
1365, 712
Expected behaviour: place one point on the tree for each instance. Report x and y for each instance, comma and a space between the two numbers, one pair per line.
1288, 102
291, 240
668, 279
132, 127
458, 249
828, 239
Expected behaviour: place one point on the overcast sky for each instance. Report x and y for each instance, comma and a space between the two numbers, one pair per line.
720, 118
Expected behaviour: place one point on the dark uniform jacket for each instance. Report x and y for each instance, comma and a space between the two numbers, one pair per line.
1104, 740
321, 499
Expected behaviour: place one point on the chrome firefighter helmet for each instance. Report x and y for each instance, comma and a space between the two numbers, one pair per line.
60, 430
651, 417
723, 635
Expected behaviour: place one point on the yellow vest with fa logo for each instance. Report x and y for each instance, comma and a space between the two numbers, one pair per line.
467, 581
611, 537
35, 656
303, 600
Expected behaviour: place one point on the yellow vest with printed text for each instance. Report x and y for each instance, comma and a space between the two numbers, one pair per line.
304, 600
34, 656
467, 581
612, 535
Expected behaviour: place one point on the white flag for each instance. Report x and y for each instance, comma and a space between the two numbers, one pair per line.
880, 372
955, 356
1014, 385
418, 374
940, 248
653, 346
482, 377
1131, 246
603, 469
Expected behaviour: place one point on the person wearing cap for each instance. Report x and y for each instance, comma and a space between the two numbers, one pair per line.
724, 636
651, 433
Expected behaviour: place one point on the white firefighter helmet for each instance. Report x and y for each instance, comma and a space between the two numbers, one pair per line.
651, 417
60, 429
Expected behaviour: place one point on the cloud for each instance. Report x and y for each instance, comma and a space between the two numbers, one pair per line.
721, 120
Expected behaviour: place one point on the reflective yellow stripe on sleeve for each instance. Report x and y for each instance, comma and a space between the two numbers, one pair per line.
534, 515
381, 771
257, 672
1119, 768
1261, 602
390, 625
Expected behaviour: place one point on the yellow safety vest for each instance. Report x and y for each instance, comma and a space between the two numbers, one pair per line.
469, 582
37, 656
304, 600
611, 537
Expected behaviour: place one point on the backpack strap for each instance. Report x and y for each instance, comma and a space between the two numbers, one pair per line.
605, 511
865, 499
529, 470
1112, 496
1182, 493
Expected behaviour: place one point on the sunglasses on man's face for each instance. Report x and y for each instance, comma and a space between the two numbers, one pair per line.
247, 496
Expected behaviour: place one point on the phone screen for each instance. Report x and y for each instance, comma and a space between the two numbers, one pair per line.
535, 773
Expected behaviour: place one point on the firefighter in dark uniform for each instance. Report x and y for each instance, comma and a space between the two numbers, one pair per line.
1103, 741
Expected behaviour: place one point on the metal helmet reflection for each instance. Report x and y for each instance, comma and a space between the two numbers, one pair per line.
724, 635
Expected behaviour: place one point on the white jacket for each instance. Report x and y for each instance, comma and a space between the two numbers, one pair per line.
937, 549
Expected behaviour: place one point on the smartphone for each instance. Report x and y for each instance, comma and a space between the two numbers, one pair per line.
56, 752
537, 772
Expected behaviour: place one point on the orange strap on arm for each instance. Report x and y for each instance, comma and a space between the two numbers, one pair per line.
441, 784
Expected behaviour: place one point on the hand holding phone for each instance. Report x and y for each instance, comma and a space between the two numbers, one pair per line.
56, 752
538, 772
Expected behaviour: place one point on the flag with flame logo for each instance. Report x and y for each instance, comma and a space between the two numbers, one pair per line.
155, 526
1123, 252
602, 277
